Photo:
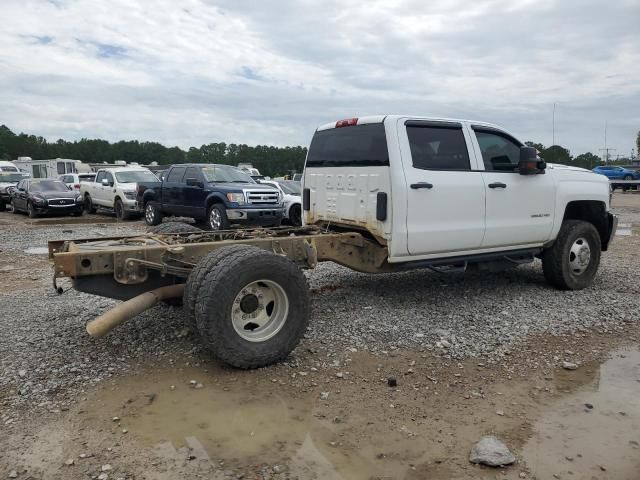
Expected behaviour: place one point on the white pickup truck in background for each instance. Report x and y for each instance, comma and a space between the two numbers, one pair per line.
115, 188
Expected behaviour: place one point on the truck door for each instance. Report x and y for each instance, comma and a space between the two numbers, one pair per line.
445, 197
194, 194
520, 208
172, 191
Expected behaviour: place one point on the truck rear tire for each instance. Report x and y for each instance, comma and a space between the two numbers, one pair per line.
152, 214
174, 227
571, 263
88, 204
217, 218
120, 211
252, 308
196, 278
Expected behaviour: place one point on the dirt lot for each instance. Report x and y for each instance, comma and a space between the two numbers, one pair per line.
473, 355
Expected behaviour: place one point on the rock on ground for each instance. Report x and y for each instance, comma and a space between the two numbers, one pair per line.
491, 451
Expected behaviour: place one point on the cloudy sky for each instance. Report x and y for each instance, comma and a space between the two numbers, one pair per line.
190, 72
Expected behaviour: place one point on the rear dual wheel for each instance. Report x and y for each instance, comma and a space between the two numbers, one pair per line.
250, 306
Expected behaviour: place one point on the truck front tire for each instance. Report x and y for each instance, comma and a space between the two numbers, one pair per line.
571, 263
152, 214
217, 218
252, 307
120, 210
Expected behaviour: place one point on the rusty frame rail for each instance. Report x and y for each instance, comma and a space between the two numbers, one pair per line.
129, 259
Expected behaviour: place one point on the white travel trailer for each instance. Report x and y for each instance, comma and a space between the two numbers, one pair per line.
50, 168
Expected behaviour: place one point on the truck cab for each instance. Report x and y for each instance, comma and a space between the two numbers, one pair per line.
432, 188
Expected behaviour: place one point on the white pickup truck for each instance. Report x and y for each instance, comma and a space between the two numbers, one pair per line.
115, 188
380, 194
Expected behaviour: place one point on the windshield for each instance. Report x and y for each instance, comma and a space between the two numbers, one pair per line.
49, 186
8, 169
11, 177
136, 176
290, 187
225, 173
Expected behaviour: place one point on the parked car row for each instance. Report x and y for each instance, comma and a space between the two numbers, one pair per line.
216, 196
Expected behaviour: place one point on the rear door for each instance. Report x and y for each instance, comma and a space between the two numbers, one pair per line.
445, 196
520, 208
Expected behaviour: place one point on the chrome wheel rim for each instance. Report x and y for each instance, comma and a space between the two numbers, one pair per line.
579, 256
259, 310
149, 213
215, 219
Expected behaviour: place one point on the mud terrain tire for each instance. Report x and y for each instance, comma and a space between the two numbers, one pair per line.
234, 289
174, 227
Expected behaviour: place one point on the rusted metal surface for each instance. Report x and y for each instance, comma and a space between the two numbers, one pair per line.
129, 309
129, 259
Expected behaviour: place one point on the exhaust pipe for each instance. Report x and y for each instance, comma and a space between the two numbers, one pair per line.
127, 310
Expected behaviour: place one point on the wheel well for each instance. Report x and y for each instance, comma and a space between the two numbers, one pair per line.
591, 211
212, 201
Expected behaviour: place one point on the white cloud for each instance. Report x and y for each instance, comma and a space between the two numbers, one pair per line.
197, 71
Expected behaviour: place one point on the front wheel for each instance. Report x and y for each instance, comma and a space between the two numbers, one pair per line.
252, 307
3, 206
152, 215
121, 212
31, 211
217, 218
295, 215
88, 204
571, 263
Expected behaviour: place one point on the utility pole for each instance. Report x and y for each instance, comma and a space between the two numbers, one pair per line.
607, 155
606, 150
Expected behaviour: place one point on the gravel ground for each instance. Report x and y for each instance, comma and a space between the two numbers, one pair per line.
48, 361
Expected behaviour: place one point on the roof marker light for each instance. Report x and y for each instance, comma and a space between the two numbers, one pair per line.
347, 122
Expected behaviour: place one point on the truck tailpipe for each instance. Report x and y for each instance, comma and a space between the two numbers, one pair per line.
127, 310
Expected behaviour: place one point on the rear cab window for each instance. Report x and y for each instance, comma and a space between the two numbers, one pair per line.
437, 146
349, 146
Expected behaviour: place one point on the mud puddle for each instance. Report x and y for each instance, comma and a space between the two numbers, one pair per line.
246, 426
586, 427
593, 430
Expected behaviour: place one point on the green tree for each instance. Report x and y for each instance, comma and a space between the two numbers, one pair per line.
587, 160
556, 154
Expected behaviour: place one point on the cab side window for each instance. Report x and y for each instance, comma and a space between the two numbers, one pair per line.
109, 177
99, 177
176, 174
438, 148
500, 152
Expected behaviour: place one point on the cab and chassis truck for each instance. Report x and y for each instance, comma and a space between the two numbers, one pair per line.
380, 194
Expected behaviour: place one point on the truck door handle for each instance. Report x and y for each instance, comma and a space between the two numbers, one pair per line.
498, 185
416, 186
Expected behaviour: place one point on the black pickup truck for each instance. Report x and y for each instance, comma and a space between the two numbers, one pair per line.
214, 195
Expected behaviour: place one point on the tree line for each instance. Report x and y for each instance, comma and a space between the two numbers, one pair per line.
271, 161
